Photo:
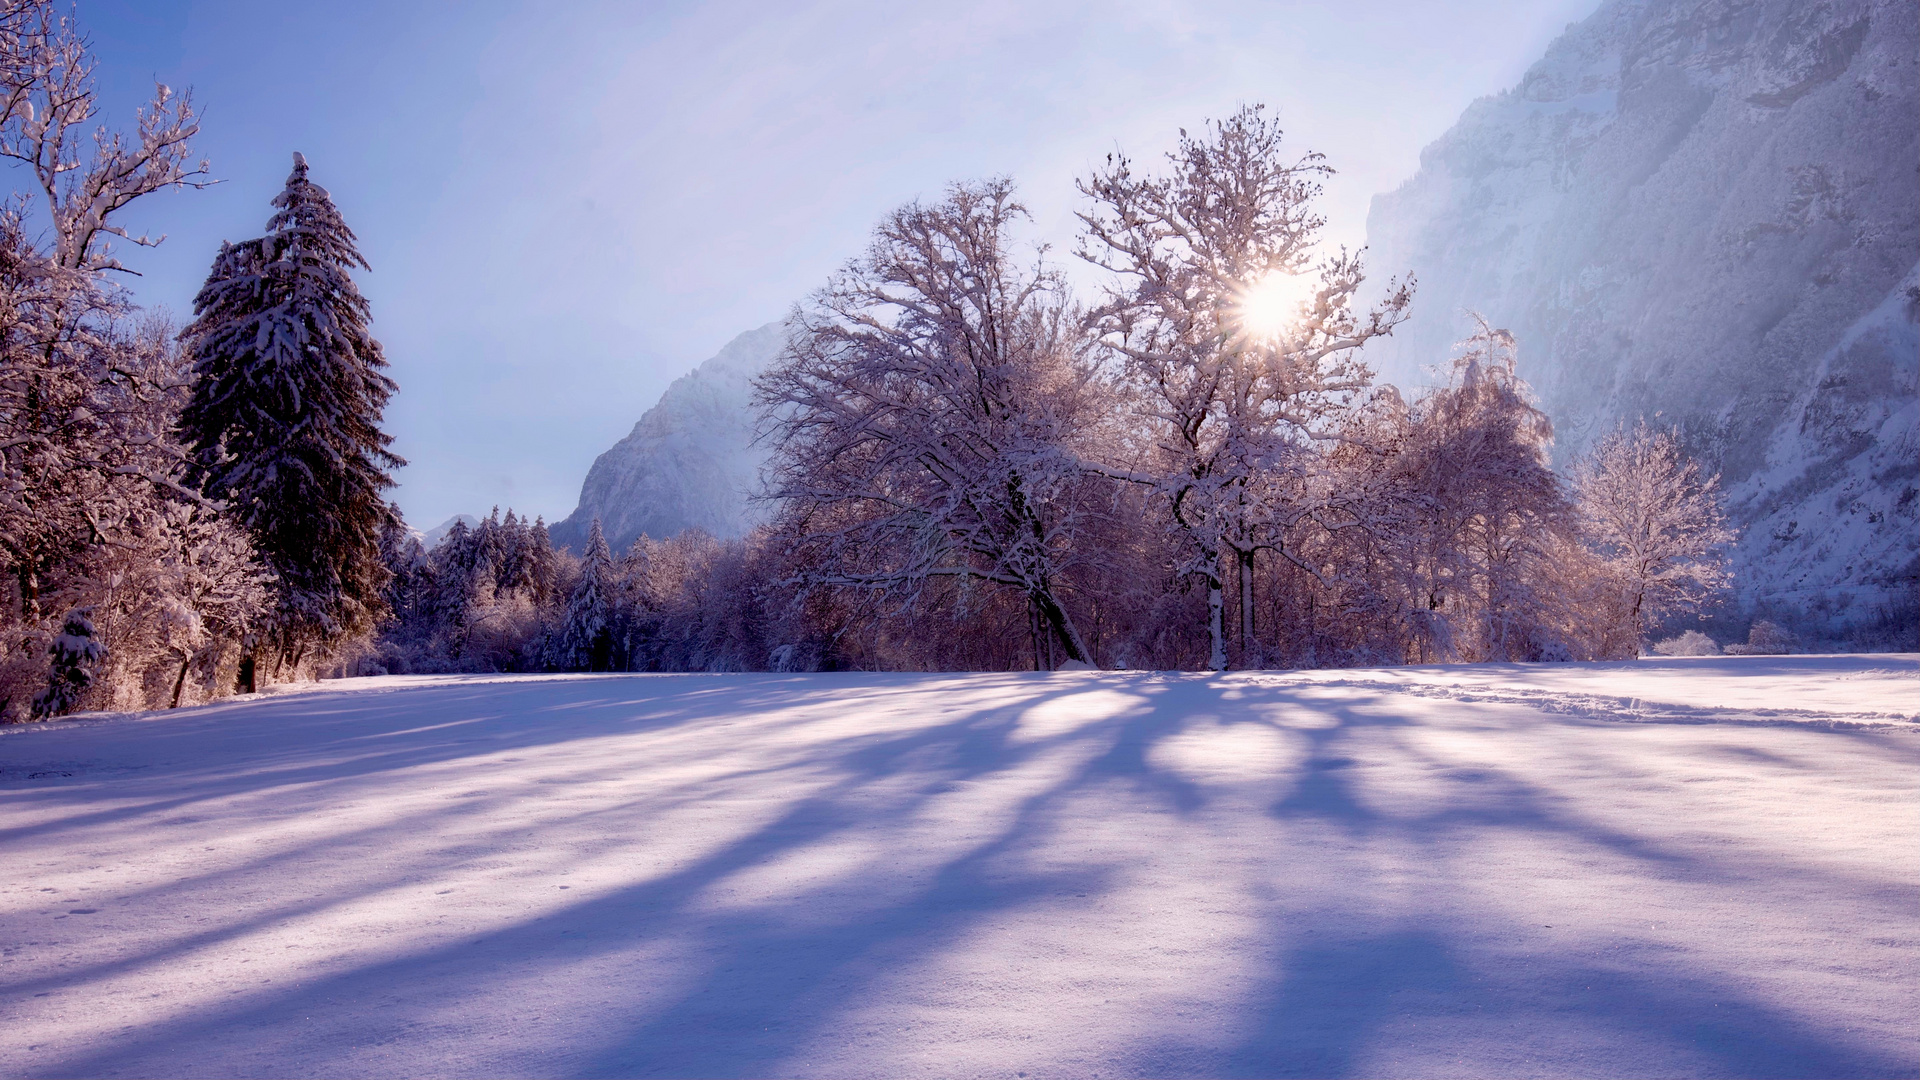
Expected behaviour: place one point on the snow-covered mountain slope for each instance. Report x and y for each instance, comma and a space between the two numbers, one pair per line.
433, 536
1705, 212
690, 462
1670, 867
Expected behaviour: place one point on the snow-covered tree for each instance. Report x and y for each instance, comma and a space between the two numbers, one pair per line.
1656, 520
1485, 515
171, 583
93, 509
75, 654
84, 174
76, 430
289, 387
1241, 368
405, 557
179, 589
1496, 550
216, 590
926, 415
586, 637
483, 599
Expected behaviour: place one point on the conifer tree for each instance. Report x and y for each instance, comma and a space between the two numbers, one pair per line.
586, 639
284, 420
74, 652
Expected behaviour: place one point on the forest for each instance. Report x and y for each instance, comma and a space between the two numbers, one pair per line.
1190, 467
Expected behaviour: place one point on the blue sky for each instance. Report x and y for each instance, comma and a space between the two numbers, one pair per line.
568, 205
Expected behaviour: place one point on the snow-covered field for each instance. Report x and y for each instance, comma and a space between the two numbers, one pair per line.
1688, 867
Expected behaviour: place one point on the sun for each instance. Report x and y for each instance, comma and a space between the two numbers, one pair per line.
1269, 306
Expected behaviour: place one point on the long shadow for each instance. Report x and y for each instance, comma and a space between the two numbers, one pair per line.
1359, 1001
960, 891
1349, 997
1326, 789
872, 756
238, 749
765, 980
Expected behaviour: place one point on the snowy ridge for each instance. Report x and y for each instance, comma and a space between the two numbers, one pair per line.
689, 462
1704, 213
1376, 872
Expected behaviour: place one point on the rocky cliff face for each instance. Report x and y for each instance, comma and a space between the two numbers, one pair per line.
1705, 212
689, 462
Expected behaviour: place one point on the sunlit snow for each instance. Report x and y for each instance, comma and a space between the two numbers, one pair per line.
1671, 867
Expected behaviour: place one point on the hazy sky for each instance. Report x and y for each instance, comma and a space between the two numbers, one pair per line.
568, 205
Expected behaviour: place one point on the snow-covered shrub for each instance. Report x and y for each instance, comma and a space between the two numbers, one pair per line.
75, 654
1691, 643
1766, 639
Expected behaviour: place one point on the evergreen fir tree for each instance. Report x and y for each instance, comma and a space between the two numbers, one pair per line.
75, 653
284, 419
586, 638
540, 561
404, 557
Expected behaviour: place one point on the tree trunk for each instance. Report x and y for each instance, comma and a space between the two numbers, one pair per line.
1060, 627
1216, 615
29, 592
1243, 569
1634, 620
180, 682
244, 682
1033, 632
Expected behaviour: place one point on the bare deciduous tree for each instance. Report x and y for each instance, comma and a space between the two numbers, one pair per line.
1657, 522
926, 412
1236, 393
93, 512
72, 418
1489, 506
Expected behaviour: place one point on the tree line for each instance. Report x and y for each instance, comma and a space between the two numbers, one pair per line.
1195, 469
970, 466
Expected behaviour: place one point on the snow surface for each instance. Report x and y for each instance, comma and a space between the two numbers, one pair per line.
1675, 867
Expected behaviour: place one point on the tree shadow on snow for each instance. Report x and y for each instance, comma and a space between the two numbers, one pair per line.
1348, 992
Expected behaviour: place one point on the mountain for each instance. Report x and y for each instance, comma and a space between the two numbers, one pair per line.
689, 463
432, 537
1705, 212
